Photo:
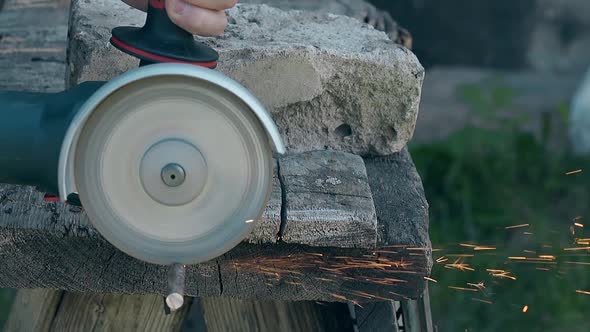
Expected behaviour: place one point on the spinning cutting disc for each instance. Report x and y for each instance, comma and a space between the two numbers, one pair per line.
172, 169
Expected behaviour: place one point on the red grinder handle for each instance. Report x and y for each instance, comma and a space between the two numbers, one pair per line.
160, 40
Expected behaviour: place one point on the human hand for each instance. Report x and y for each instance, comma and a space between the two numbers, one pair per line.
199, 17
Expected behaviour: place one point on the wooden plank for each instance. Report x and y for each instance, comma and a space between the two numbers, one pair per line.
417, 314
33, 310
328, 201
33, 38
376, 317
400, 203
75, 259
115, 312
230, 315
46, 310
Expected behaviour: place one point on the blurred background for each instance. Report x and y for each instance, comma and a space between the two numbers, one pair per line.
508, 195
493, 150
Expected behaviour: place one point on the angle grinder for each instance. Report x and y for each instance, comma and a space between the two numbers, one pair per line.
172, 161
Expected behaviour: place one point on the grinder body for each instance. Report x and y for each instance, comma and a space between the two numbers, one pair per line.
32, 130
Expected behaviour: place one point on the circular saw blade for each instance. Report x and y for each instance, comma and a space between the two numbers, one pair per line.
172, 169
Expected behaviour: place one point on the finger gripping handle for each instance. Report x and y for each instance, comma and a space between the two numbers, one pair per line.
160, 28
160, 40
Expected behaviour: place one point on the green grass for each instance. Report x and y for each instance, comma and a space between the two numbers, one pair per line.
479, 181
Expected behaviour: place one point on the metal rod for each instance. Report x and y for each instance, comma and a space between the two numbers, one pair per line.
176, 286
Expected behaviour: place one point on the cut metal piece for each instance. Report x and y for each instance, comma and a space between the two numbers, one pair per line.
177, 126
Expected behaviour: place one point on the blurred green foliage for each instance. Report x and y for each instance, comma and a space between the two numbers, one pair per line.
481, 180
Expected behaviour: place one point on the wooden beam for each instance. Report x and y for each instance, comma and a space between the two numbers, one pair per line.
48, 311
230, 315
33, 310
328, 201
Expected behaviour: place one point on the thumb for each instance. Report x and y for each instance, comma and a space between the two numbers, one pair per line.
196, 20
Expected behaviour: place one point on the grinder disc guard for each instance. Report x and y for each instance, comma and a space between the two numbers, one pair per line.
173, 169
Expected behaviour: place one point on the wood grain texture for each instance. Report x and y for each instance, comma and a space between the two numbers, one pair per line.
115, 312
328, 200
49, 245
417, 314
376, 317
33, 45
230, 315
33, 310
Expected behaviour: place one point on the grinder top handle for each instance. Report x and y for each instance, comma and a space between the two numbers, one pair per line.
160, 40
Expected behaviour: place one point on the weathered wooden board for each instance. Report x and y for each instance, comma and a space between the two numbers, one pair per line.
230, 315
113, 312
45, 311
35, 309
33, 45
376, 317
41, 245
67, 254
328, 201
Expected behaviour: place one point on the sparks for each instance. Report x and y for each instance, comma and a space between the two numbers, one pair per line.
480, 285
577, 248
574, 172
340, 297
502, 274
464, 289
441, 259
430, 279
517, 226
525, 309
517, 258
484, 248
577, 224
482, 301
578, 263
459, 266
582, 292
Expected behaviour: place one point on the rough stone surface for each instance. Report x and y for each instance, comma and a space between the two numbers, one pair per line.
359, 9
328, 200
329, 81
